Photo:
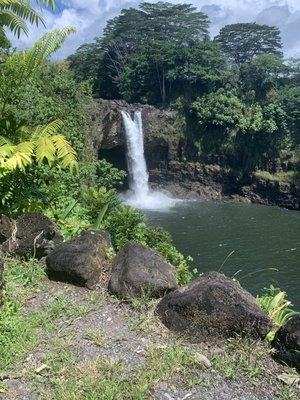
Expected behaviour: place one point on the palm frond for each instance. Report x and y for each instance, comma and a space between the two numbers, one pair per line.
45, 144
14, 23
52, 128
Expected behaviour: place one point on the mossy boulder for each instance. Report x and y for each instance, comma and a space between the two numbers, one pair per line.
213, 306
82, 260
287, 342
139, 270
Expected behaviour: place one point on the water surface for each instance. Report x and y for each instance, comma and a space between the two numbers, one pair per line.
261, 239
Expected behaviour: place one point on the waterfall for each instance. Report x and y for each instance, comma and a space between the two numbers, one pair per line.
139, 194
137, 168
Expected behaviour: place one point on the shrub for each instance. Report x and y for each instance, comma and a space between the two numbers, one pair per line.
126, 224
98, 200
275, 304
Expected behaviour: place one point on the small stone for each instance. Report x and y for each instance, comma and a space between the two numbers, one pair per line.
203, 360
41, 368
289, 379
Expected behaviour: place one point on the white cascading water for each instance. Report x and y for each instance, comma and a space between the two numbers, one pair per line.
140, 195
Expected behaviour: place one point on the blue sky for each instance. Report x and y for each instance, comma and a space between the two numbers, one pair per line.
89, 18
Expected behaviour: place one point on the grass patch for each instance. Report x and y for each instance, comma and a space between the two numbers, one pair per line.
243, 357
19, 332
111, 380
97, 337
281, 177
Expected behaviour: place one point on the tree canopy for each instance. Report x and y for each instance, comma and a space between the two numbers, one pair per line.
237, 95
244, 41
140, 44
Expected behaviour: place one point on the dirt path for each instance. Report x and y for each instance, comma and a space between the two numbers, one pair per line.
91, 346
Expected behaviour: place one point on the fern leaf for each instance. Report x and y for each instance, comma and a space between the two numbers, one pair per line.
65, 151
45, 149
43, 48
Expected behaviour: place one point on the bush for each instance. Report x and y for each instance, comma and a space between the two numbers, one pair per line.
276, 305
126, 224
101, 201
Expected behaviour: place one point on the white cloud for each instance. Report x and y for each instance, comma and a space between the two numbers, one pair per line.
89, 18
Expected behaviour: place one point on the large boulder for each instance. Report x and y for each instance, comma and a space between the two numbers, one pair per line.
81, 260
287, 342
32, 234
139, 270
213, 306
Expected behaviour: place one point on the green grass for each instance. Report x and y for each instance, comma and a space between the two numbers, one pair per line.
110, 380
96, 337
281, 177
19, 332
242, 357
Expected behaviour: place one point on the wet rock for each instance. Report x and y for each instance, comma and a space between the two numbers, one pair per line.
138, 269
32, 234
287, 342
213, 306
81, 260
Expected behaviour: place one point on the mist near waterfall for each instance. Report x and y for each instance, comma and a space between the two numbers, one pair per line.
139, 194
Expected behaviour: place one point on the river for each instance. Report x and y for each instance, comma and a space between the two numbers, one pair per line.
258, 245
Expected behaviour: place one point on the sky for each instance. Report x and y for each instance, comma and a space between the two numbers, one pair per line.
89, 18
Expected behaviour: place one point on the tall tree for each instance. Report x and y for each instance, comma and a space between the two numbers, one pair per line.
242, 42
147, 38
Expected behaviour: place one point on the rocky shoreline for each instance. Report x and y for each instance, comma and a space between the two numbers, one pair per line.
174, 168
203, 182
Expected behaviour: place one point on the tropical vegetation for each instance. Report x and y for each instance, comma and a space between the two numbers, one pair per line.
236, 93
238, 101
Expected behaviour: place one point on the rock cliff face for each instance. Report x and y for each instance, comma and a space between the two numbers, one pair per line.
167, 162
161, 132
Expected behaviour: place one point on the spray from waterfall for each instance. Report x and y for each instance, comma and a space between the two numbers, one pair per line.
139, 194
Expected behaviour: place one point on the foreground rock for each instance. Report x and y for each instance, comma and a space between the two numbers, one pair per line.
213, 306
81, 260
139, 270
32, 234
287, 343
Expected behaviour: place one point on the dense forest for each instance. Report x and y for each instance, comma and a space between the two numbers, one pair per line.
238, 96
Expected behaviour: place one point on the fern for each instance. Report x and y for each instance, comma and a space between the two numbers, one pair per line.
45, 143
14, 14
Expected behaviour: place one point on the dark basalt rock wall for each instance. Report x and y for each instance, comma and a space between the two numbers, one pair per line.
171, 165
161, 132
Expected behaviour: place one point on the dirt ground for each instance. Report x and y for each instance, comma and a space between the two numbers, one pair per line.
88, 328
